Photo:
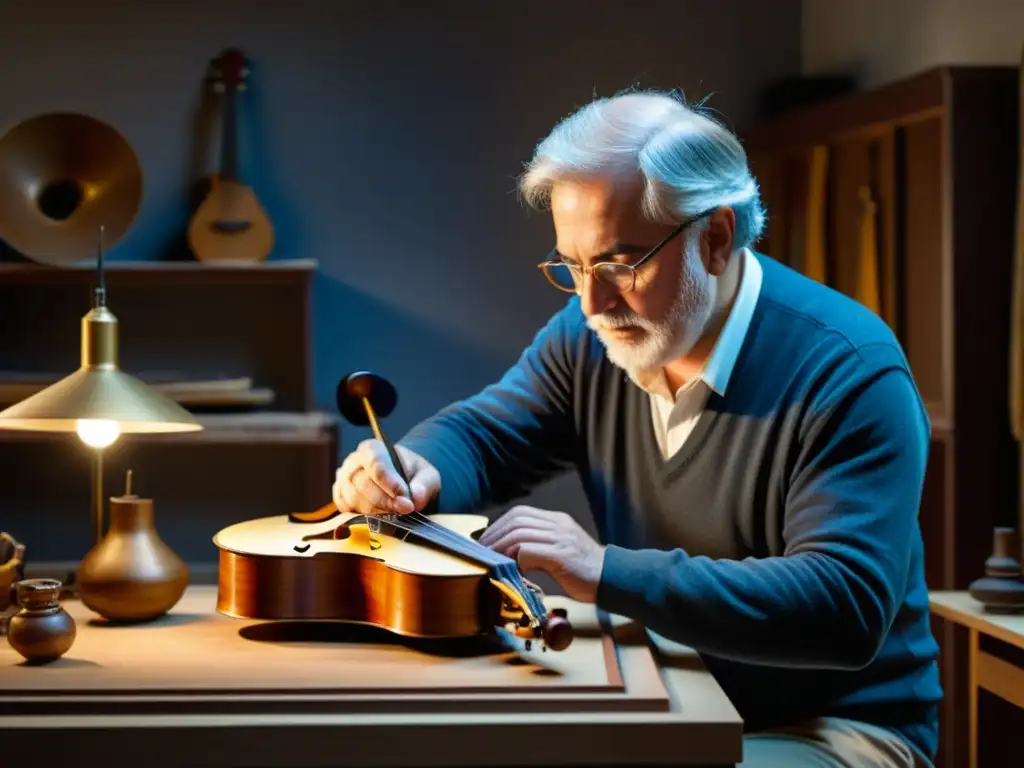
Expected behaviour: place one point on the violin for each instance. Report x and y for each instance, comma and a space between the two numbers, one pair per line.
417, 575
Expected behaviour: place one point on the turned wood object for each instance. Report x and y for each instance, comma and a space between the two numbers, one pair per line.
42, 630
1001, 589
131, 575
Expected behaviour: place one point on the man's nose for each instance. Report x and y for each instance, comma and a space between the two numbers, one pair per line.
596, 296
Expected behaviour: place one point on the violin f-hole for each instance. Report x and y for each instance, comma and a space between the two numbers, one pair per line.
324, 513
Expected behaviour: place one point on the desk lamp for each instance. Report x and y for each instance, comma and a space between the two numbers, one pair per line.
99, 401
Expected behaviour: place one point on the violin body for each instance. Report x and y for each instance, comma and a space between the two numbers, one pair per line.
328, 565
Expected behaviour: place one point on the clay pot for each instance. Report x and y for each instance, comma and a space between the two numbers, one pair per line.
1001, 589
42, 630
131, 575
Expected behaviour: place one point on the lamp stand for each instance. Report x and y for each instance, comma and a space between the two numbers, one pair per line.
97, 496
98, 391
96, 515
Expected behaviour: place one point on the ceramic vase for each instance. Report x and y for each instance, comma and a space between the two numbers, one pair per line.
42, 630
131, 575
1001, 589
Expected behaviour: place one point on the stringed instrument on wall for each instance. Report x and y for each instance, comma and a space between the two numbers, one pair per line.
230, 224
417, 575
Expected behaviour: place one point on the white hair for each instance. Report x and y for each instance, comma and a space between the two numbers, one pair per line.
688, 163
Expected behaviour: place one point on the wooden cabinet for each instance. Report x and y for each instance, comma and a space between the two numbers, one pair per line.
188, 318
904, 198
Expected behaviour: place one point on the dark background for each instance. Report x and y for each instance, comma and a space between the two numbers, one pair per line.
384, 140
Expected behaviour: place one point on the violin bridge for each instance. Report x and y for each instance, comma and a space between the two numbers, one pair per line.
363, 536
373, 523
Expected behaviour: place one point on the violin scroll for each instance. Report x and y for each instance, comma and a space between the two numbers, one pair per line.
557, 630
553, 628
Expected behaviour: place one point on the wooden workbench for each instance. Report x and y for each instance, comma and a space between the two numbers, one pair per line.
199, 688
1003, 674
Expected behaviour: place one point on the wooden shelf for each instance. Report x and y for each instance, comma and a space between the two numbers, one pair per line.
118, 271
199, 320
265, 427
942, 428
871, 113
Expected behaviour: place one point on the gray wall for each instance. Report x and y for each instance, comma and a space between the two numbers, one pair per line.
879, 41
384, 138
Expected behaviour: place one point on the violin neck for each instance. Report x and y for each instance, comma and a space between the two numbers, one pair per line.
508, 574
501, 567
456, 543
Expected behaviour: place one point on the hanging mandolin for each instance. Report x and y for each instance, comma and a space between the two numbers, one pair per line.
230, 224
417, 575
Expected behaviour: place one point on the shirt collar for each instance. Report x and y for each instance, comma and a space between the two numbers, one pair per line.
718, 369
720, 363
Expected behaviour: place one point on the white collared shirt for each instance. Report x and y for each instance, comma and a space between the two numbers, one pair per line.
674, 419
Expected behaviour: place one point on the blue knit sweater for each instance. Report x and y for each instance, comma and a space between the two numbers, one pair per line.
781, 541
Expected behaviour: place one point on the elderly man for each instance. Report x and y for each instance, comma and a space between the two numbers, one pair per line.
751, 443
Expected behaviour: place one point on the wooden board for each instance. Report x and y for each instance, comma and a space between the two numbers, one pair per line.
195, 660
963, 609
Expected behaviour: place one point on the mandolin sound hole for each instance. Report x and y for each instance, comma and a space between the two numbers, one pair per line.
231, 226
59, 200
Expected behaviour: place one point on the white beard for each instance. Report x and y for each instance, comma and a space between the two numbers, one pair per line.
671, 337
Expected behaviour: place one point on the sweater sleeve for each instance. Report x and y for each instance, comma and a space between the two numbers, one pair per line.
496, 445
851, 515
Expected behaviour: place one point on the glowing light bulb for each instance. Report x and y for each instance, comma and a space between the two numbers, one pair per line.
97, 433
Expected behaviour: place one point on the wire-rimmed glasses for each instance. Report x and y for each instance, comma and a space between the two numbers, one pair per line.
568, 276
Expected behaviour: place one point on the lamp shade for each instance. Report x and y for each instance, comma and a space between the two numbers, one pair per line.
99, 391
107, 394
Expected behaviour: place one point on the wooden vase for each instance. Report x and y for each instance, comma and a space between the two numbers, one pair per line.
42, 631
1001, 589
131, 575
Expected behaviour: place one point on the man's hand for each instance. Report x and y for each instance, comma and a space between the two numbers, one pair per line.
540, 539
368, 484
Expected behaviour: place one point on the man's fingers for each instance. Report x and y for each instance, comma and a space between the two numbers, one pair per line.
423, 486
419, 492
516, 517
513, 519
534, 556
368, 482
378, 501
377, 462
348, 466
510, 543
369, 489
354, 501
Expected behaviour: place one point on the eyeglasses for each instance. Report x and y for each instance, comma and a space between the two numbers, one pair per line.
568, 276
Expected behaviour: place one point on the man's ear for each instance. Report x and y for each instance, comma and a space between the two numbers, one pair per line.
717, 241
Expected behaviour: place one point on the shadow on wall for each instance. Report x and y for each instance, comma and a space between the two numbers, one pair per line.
258, 164
356, 331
